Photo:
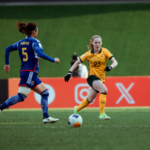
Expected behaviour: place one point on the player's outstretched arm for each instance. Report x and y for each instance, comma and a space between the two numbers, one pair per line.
39, 50
113, 65
69, 74
44, 56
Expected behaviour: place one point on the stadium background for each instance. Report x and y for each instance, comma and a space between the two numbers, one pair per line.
63, 30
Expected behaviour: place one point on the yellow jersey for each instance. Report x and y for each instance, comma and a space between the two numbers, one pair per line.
97, 62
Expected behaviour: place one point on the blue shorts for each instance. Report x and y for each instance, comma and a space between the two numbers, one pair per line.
29, 79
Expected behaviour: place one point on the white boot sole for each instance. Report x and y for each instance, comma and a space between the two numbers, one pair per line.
50, 121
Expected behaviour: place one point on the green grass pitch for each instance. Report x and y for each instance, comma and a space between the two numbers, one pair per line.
128, 129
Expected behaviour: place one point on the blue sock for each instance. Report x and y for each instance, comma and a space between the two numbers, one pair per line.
44, 103
13, 100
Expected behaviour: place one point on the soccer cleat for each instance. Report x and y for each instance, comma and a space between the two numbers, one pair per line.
50, 120
103, 116
0, 112
75, 110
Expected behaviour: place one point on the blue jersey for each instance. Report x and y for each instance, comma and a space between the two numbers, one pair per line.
30, 49
27, 53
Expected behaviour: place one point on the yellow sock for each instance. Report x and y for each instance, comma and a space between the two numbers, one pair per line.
83, 104
102, 102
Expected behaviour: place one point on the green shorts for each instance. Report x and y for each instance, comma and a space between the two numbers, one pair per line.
90, 80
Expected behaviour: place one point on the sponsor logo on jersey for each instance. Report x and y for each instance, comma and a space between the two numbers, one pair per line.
32, 82
82, 56
40, 45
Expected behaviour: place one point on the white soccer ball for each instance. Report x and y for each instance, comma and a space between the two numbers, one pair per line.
75, 120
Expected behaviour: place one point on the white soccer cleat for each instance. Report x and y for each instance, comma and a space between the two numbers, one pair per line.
50, 120
0, 112
104, 117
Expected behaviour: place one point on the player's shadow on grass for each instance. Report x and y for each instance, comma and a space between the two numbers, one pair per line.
58, 11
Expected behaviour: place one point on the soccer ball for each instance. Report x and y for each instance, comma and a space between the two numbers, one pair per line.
75, 120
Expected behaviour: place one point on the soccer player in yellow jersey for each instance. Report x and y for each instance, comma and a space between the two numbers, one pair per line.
97, 57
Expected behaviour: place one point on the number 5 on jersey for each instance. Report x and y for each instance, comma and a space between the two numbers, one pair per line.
25, 54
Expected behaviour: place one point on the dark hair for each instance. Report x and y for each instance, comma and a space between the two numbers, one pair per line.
26, 28
74, 56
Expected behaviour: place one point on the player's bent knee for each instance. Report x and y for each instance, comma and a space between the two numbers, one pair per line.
22, 97
89, 99
104, 91
24, 90
45, 93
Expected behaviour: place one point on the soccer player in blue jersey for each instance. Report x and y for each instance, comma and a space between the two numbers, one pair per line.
30, 49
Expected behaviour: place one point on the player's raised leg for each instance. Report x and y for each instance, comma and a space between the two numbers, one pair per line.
20, 97
86, 101
98, 85
42, 90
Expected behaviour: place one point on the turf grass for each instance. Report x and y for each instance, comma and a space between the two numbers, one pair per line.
127, 129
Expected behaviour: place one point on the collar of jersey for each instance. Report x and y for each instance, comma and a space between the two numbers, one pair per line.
28, 36
92, 51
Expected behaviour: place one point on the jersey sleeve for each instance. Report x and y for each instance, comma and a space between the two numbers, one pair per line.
9, 49
15, 45
38, 45
108, 54
39, 50
84, 57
